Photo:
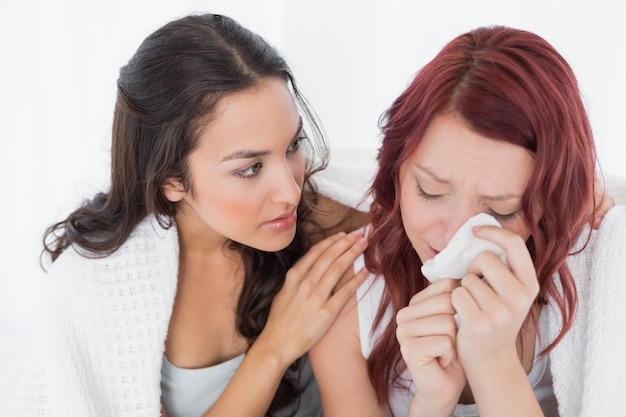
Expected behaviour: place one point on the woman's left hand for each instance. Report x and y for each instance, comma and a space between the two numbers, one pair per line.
493, 301
604, 202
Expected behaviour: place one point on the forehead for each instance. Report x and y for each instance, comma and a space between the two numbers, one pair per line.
259, 118
452, 151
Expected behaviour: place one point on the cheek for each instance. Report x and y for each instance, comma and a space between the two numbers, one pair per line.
414, 217
232, 204
519, 228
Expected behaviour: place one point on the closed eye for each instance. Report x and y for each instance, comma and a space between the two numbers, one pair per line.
424, 194
505, 217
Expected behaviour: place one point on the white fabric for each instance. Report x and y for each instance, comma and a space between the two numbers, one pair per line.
454, 260
348, 176
102, 337
103, 331
588, 366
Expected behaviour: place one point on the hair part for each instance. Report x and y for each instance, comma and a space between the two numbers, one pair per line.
508, 85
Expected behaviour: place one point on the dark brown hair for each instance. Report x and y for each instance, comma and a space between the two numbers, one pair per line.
165, 94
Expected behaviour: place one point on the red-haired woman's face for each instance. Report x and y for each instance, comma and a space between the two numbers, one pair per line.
456, 173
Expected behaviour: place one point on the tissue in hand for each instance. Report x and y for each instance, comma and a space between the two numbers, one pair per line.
463, 248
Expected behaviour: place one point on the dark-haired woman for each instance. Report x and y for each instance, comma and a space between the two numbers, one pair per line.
185, 289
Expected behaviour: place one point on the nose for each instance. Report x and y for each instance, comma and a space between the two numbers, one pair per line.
287, 185
455, 219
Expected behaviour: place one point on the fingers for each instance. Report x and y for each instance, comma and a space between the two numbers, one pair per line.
426, 329
347, 290
442, 324
422, 351
441, 286
322, 255
490, 280
518, 258
605, 203
313, 254
505, 293
337, 260
438, 303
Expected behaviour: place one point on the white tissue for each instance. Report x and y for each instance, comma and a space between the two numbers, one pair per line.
463, 248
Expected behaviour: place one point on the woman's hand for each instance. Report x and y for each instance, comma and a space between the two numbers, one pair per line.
311, 298
426, 331
604, 202
494, 300
492, 303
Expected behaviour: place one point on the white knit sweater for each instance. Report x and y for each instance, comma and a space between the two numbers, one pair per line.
589, 364
103, 331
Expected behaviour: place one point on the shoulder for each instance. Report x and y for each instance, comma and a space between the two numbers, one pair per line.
331, 216
605, 245
369, 300
599, 269
143, 270
148, 250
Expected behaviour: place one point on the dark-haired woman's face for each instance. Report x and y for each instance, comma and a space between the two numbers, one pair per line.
456, 173
247, 172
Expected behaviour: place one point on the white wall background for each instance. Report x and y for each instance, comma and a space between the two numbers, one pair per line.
60, 60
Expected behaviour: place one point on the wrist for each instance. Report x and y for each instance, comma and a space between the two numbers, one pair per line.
504, 376
270, 354
421, 407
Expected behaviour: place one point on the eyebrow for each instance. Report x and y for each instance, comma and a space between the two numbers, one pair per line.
494, 197
250, 154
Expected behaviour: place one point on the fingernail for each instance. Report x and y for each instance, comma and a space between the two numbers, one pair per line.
356, 232
362, 242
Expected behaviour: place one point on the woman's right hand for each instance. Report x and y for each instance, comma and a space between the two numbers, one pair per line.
426, 331
311, 297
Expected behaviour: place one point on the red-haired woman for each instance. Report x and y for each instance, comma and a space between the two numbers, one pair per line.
494, 123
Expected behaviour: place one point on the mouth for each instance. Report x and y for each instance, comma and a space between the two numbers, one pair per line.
283, 222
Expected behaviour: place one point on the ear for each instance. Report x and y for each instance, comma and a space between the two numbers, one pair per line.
173, 190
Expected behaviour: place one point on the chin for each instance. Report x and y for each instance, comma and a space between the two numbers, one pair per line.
275, 244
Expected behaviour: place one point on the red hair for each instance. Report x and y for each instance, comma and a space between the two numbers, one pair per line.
509, 85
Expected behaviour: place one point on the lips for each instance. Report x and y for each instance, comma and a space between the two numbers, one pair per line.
283, 222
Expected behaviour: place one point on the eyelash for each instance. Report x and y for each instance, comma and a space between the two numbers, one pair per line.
254, 169
246, 174
295, 145
500, 217
424, 195
505, 217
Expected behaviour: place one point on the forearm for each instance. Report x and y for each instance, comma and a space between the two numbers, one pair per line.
252, 388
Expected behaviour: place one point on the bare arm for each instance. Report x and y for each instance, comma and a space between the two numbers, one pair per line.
341, 371
301, 313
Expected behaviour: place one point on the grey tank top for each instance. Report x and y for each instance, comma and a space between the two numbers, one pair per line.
191, 392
